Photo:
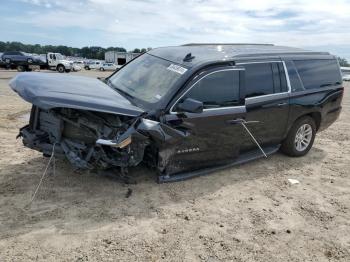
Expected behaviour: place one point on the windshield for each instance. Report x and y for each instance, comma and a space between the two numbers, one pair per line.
147, 78
59, 56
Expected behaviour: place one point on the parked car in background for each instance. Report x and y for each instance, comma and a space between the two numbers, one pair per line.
109, 67
16, 56
345, 73
185, 110
93, 65
77, 66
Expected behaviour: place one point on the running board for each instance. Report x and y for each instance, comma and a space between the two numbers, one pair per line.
243, 158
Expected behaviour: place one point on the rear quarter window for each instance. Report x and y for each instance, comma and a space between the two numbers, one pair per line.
318, 73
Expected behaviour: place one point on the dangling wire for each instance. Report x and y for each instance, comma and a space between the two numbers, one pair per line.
251, 135
45, 171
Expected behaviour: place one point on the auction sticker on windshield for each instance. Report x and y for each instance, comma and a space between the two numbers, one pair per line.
176, 68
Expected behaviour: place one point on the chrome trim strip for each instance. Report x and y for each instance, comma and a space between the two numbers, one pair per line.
287, 77
223, 108
258, 62
208, 109
265, 98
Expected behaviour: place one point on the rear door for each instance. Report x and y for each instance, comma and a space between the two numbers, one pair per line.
213, 136
267, 91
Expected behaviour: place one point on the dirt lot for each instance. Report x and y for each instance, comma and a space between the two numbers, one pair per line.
247, 213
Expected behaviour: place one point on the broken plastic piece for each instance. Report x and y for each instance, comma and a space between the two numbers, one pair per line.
293, 181
111, 143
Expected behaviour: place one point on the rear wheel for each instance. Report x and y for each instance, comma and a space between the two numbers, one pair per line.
60, 69
102, 69
300, 137
20, 68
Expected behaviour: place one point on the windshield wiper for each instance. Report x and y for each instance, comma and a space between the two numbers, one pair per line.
121, 91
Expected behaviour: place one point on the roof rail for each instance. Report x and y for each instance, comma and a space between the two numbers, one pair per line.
199, 44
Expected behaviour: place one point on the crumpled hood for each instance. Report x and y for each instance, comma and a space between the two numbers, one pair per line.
51, 90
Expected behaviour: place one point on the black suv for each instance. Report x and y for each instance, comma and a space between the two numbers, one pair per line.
16, 56
185, 110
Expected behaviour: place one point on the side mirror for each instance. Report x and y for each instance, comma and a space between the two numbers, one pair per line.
190, 105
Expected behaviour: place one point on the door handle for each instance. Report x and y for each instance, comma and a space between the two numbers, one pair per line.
235, 121
240, 121
281, 104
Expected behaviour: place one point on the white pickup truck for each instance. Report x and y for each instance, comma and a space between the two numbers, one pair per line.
56, 61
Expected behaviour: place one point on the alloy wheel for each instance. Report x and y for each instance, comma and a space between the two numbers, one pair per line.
303, 137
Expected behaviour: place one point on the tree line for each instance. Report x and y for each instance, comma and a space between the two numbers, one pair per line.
90, 52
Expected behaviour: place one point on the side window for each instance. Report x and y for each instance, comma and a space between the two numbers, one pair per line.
318, 73
294, 78
217, 89
258, 79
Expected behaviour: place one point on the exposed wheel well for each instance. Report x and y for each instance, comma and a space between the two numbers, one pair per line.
316, 116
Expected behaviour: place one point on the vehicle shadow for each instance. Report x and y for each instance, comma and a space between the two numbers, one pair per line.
72, 201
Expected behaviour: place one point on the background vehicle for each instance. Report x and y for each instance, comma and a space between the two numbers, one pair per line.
345, 73
56, 61
93, 65
10, 57
109, 67
77, 66
24, 62
186, 110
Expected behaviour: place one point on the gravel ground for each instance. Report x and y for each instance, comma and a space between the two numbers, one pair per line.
246, 213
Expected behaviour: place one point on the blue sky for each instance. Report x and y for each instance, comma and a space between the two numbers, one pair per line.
313, 24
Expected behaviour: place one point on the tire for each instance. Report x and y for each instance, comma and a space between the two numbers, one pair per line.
20, 68
7, 61
29, 60
102, 69
60, 69
300, 138
67, 70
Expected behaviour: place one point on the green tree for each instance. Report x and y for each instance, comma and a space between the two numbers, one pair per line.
90, 52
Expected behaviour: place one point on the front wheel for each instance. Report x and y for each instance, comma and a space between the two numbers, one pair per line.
60, 69
102, 69
300, 138
67, 70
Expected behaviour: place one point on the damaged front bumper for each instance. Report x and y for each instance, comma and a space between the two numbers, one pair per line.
95, 140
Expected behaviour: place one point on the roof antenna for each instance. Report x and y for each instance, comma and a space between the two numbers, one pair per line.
188, 57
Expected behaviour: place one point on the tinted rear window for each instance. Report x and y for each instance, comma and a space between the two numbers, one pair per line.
318, 73
258, 79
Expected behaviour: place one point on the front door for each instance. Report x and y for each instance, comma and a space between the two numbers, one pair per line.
213, 135
51, 59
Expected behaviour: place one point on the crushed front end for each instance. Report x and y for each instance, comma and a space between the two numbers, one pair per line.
89, 140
